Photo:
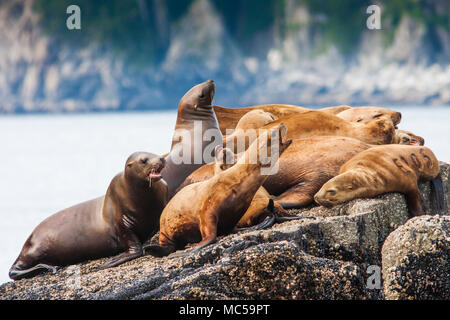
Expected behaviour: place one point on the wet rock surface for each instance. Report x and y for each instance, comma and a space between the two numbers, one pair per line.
323, 258
416, 259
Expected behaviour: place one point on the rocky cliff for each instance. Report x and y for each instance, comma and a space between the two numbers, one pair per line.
363, 249
294, 53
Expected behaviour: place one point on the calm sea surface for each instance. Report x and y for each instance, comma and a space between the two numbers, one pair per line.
51, 162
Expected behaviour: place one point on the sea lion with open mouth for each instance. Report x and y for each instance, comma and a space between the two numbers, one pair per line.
201, 211
115, 224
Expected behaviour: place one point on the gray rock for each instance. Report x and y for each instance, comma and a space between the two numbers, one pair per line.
416, 260
322, 258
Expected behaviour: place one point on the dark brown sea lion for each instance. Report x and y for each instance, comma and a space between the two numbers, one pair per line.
117, 223
196, 134
382, 169
201, 211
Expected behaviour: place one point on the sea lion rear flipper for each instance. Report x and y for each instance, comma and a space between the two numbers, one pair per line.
17, 274
157, 250
122, 258
200, 246
415, 202
437, 195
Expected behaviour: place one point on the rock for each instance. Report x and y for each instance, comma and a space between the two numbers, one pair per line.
322, 258
416, 260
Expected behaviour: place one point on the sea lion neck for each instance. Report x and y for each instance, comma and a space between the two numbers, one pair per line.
189, 113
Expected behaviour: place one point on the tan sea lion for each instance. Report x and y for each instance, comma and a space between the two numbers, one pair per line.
335, 110
201, 211
117, 223
366, 114
262, 204
382, 169
408, 138
229, 117
317, 123
196, 126
302, 169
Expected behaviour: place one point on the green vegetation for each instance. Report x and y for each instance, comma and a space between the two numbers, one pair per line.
140, 29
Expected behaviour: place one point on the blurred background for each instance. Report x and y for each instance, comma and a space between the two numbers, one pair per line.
145, 54
62, 141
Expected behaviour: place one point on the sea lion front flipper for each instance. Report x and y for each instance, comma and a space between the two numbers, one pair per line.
17, 274
298, 196
134, 250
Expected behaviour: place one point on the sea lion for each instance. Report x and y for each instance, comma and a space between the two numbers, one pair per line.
255, 119
382, 169
196, 126
262, 204
229, 117
201, 211
302, 169
335, 110
365, 114
318, 123
117, 223
408, 138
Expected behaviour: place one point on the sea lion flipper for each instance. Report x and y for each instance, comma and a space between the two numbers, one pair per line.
157, 250
415, 202
437, 195
17, 274
122, 258
200, 246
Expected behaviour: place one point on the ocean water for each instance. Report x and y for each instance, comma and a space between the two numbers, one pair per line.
51, 162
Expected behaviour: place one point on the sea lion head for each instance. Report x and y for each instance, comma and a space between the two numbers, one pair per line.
255, 119
408, 138
224, 158
363, 115
144, 167
383, 129
273, 140
340, 189
198, 98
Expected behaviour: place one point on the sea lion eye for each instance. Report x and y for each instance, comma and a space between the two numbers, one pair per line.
405, 139
331, 192
378, 115
349, 187
144, 161
359, 120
